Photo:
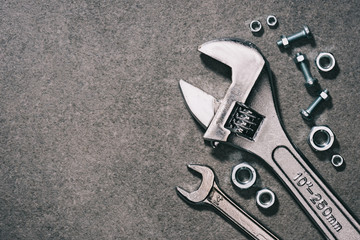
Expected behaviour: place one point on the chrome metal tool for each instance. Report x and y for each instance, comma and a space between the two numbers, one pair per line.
247, 118
209, 193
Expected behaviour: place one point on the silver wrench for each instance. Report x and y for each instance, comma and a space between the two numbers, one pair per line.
248, 118
209, 193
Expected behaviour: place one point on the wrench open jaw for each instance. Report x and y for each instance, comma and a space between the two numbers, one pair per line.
209, 193
248, 118
208, 178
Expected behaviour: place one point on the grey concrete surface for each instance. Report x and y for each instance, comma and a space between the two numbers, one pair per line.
95, 134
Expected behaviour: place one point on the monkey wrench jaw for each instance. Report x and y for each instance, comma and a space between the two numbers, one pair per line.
201, 105
247, 118
246, 63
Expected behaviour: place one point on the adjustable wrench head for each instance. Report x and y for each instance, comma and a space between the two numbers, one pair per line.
246, 64
208, 178
247, 116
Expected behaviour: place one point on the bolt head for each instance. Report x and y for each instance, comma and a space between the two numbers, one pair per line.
285, 41
325, 95
307, 32
305, 115
299, 57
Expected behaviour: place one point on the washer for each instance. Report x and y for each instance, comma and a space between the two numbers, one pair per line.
325, 62
243, 176
265, 198
321, 138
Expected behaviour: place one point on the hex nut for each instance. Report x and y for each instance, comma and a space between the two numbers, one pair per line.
285, 41
321, 138
324, 95
255, 26
299, 58
243, 176
271, 21
325, 62
265, 198
337, 160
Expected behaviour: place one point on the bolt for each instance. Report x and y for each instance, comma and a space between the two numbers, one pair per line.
301, 60
285, 41
307, 114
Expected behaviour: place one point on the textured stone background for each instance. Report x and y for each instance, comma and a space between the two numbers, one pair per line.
95, 134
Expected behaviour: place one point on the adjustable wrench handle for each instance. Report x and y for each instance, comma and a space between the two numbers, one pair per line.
227, 207
332, 218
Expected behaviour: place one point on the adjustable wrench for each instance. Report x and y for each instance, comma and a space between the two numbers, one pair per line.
247, 118
209, 193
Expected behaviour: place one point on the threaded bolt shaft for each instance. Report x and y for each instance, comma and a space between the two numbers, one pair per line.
300, 60
307, 114
285, 41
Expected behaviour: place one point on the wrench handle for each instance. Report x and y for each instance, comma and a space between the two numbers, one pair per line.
332, 218
232, 211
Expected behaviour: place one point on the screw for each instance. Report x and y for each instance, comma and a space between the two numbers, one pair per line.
307, 114
285, 41
301, 60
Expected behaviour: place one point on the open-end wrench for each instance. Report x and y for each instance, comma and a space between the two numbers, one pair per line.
247, 118
209, 193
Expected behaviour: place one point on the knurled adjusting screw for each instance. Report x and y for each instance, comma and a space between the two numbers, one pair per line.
285, 41
302, 62
307, 114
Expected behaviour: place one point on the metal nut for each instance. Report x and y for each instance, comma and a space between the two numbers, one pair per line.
325, 62
271, 21
265, 198
285, 41
321, 138
243, 176
337, 160
299, 58
255, 26
324, 95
